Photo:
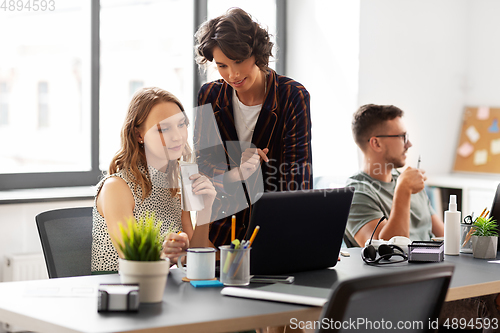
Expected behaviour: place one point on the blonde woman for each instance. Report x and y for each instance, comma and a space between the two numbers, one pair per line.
143, 176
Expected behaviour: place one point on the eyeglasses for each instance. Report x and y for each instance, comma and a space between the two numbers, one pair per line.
403, 136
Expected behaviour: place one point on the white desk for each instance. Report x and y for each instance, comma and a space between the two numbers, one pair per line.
187, 309
184, 309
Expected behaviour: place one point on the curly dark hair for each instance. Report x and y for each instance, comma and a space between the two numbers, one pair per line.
238, 37
369, 118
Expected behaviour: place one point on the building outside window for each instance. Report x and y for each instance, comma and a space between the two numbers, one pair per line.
64, 92
134, 85
4, 104
45, 107
143, 44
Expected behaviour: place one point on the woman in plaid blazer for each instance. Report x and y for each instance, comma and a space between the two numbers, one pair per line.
253, 127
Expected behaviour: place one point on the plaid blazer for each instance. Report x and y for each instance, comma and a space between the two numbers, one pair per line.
283, 126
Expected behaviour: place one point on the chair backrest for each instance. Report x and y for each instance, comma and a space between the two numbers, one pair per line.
495, 211
410, 297
66, 237
349, 240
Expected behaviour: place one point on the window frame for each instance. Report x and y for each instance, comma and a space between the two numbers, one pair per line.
17, 181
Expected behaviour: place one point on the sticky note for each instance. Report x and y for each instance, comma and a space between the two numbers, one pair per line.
465, 149
494, 126
472, 134
480, 157
206, 283
495, 147
483, 113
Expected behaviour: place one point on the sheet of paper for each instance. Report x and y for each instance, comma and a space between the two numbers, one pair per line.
481, 157
472, 134
465, 149
65, 291
494, 261
483, 113
494, 126
495, 147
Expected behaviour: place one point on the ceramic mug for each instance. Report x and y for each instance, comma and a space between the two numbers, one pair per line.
200, 263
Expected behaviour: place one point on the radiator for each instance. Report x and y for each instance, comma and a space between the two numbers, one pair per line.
22, 267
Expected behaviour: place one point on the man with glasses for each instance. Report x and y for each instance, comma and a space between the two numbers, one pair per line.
380, 189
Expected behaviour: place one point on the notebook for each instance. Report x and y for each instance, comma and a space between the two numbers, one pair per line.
299, 230
280, 292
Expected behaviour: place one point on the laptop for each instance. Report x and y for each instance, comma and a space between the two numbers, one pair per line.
495, 211
299, 230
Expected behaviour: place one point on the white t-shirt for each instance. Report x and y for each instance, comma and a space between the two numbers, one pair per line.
244, 115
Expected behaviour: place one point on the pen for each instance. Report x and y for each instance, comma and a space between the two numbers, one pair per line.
254, 234
255, 231
233, 228
237, 258
178, 233
469, 234
234, 246
418, 162
483, 212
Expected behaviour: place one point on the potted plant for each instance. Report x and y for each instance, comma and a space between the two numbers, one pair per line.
141, 247
484, 238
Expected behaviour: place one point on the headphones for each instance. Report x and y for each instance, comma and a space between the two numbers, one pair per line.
385, 251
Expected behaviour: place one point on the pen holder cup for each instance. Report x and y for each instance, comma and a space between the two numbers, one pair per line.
465, 244
234, 266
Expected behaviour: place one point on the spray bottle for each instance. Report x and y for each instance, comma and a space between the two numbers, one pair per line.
452, 219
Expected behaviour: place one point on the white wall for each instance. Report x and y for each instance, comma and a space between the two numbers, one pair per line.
322, 54
430, 58
413, 54
483, 51
18, 229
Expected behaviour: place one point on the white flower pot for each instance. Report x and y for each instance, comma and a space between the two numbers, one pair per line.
484, 247
150, 275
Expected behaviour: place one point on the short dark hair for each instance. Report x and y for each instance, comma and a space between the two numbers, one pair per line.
369, 118
238, 37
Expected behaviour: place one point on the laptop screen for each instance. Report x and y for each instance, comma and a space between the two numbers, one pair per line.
299, 230
495, 211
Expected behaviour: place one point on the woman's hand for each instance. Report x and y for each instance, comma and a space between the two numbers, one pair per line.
203, 186
175, 245
250, 161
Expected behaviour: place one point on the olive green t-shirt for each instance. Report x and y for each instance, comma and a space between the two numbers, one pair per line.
373, 199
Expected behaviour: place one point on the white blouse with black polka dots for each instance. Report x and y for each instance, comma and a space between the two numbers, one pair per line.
167, 209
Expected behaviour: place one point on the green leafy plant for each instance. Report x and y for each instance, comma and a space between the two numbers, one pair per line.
485, 227
141, 240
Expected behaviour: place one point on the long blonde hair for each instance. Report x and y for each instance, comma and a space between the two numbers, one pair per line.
131, 154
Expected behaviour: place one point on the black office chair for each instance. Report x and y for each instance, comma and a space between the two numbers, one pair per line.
349, 240
407, 296
66, 237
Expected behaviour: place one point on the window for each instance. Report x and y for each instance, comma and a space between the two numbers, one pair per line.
133, 87
45, 92
143, 44
43, 105
4, 104
65, 85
